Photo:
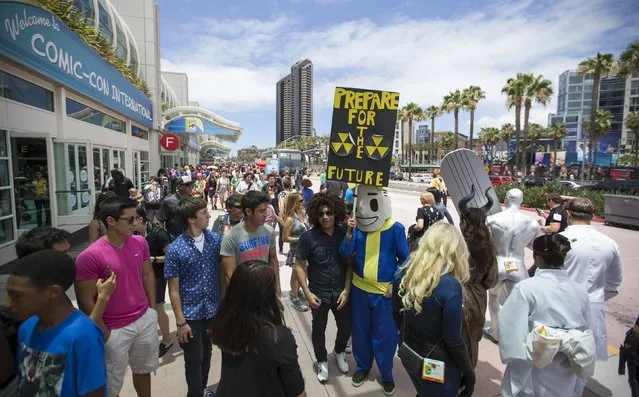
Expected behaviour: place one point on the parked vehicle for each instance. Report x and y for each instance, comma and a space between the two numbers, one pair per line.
571, 184
497, 180
536, 181
630, 186
396, 176
422, 178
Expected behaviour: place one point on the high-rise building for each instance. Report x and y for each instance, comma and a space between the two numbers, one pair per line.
284, 110
294, 102
574, 99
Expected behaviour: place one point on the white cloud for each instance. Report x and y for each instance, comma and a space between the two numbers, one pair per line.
234, 64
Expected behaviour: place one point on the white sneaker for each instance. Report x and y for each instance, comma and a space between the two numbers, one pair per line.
342, 364
322, 371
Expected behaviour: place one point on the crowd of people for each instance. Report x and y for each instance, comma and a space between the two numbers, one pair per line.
423, 296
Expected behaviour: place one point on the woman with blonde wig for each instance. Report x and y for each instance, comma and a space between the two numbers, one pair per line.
427, 308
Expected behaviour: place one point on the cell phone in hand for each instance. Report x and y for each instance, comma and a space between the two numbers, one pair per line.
539, 212
108, 272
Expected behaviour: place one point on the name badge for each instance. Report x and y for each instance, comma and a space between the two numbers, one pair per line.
510, 264
433, 370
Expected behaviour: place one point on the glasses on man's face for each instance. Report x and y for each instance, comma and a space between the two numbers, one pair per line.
326, 213
131, 220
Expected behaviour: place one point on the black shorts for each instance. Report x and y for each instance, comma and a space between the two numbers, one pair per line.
160, 288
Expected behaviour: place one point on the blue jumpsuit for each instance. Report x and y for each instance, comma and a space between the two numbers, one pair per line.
378, 255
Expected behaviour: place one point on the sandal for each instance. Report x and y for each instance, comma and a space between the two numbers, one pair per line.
298, 305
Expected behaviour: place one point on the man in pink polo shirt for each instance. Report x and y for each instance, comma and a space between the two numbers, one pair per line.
129, 316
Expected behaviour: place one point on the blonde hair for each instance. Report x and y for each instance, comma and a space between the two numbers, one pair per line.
292, 204
427, 199
441, 250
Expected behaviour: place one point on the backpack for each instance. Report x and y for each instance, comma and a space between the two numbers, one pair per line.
153, 236
152, 194
222, 221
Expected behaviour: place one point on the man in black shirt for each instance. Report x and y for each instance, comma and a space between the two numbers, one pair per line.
329, 278
119, 183
170, 220
557, 220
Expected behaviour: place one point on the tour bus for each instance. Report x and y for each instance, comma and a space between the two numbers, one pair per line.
290, 159
432, 169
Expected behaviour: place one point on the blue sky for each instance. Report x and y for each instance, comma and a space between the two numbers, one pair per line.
235, 51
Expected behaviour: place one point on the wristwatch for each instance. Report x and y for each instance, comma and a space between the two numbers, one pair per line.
154, 260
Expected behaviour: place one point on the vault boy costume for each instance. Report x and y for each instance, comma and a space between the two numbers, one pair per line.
379, 248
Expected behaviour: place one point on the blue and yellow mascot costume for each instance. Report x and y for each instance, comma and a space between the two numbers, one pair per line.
379, 247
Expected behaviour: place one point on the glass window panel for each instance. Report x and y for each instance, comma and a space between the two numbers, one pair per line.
4, 148
572, 97
133, 58
82, 112
575, 79
144, 166
4, 173
5, 202
6, 230
85, 7
139, 132
120, 49
17, 89
106, 30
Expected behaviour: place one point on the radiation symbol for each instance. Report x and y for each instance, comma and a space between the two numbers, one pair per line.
375, 151
345, 145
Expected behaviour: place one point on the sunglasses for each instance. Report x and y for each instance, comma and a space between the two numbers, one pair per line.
131, 220
326, 213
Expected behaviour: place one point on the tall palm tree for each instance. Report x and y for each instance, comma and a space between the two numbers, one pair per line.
409, 113
514, 90
596, 67
538, 89
629, 60
472, 95
490, 136
447, 141
601, 125
432, 112
454, 101
632, 123
557, 132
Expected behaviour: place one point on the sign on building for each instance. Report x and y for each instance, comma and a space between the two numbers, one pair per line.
362, 136
273, 165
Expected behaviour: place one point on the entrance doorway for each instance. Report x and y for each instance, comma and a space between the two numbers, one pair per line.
30, 166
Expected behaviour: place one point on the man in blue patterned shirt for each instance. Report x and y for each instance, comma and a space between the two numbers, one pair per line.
192, 268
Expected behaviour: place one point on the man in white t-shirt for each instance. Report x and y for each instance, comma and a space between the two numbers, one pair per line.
246, 184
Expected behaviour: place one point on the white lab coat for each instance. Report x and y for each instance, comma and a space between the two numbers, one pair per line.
593, 261
549, 298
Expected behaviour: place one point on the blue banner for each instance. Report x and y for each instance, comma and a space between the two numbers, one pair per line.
196, 125
39, 40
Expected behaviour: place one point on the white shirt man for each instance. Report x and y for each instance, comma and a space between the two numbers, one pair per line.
593, 261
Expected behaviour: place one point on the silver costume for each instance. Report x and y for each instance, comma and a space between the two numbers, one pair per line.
511, 231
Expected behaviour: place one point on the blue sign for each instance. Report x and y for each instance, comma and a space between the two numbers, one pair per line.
39, 40
196, 125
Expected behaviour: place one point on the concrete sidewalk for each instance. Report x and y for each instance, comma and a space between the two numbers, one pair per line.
169, 378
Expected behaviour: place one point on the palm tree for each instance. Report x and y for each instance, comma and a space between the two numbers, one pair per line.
538, 89
596, 67
409, 113
557, 132
535, 133
472, 95
601, 125
432, 112
515, 89
454, 101
629, 60
447, 141
506, 134
632, 123
490, 136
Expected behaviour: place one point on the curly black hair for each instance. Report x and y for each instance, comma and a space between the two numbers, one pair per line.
319, 200
483, 254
